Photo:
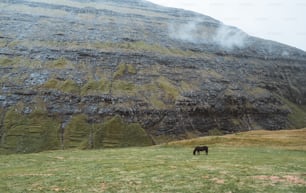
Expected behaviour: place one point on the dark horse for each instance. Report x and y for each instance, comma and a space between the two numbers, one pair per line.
200, 148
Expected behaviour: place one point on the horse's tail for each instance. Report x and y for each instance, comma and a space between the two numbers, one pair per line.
194, 151
207, 151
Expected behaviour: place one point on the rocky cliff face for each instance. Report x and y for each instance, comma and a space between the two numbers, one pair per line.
94, 74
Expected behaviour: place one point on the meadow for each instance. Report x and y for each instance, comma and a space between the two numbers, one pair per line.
232, 165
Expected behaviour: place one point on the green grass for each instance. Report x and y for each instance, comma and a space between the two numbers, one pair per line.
156, 169
253, 168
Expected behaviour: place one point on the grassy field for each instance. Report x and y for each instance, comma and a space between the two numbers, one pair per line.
286, 139
255, 166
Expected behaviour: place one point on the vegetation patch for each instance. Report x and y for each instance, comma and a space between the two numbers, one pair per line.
3, 42
157, 102
258, 92
170, 90
93, 87
153, 95
115, 133
60, 63
5, 61
124, 69
120, 87
67, 86
77, 132
34, 132
138, 46
209, 73
187, 87
19, 62
121, 68
297, 116
131, 69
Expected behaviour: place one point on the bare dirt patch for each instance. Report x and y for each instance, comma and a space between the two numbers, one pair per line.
103, 186
284, 179
218, 181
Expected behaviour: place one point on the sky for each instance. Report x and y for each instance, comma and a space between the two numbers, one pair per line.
279, 20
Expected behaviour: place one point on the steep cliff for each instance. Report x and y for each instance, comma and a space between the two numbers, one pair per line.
94, 74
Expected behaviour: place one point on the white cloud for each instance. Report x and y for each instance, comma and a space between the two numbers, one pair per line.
279, 20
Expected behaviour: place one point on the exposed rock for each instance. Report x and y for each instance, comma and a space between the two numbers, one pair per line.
120, 73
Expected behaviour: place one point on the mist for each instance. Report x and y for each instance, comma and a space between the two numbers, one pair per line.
188, 32
230, 37
198, 32
282, 20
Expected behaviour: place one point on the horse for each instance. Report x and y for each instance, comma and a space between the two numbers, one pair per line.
200, 148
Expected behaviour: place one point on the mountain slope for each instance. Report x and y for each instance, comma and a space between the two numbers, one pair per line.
94, 74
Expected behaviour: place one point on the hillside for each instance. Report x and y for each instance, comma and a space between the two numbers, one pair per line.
96, 74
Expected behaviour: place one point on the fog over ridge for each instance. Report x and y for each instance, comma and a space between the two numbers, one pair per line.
199, 32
